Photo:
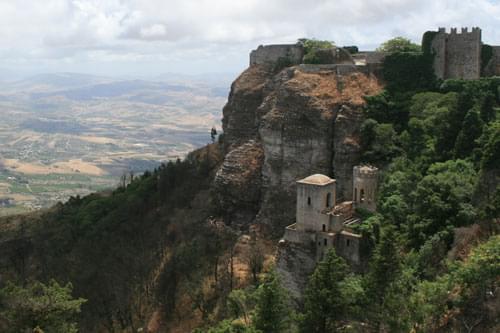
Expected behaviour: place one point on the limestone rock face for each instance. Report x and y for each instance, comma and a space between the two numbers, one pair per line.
310, 124
306, 119
240, 122
238, 181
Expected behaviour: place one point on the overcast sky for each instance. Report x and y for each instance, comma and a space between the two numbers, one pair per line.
148, 37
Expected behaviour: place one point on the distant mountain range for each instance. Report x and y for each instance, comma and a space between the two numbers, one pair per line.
84, 87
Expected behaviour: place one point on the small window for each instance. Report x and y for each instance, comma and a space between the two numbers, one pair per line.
355, 194
348, 242
309, 201
362, 195
319, 243
325, 242
324, 228
329, 200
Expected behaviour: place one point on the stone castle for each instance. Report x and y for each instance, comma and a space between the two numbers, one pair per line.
323, 223
457, 55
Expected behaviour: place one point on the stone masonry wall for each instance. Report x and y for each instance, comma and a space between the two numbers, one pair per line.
272, 53
493, 66
457, 54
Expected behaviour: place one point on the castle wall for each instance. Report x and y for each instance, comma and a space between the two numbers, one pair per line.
296, 236
347, 246
493, 66
272, 53
336, 223
324, 242
496, 60
439, 48
457, 54
311, 203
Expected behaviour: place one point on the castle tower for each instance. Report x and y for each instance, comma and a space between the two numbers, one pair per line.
457, 55
365, 187
315, 196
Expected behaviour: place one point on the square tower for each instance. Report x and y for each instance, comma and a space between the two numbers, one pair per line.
315, 197
457, 55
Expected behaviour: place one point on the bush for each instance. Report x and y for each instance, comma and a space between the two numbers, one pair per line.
314, 50
399, 44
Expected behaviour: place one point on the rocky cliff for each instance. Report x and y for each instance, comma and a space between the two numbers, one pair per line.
306, 120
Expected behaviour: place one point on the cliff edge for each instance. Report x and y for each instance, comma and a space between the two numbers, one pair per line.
306, 119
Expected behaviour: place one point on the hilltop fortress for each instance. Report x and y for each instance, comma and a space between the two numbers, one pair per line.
321, 222
457, 55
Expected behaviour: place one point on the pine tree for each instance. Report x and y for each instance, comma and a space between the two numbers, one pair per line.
324, 303
39, 308
384, 270
272, 312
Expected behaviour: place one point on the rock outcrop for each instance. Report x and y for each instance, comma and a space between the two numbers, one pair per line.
294, 264
307, 121
240, 121
237, 183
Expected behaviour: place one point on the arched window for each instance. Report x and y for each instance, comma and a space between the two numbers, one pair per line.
309, 201
324, 228
362, 195
329, 200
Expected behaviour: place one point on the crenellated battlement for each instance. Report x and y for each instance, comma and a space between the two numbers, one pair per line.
463, 31
365, 171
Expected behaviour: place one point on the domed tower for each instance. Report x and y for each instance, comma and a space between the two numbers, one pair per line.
315, 196
365, 186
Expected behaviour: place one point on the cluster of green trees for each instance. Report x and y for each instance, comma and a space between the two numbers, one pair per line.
438, 144
263, 307
313, 50
399, 293
38, 308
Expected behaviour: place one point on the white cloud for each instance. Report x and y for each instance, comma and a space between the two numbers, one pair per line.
210, 35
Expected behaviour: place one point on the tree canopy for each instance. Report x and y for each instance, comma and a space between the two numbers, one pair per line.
399, 44
39, 307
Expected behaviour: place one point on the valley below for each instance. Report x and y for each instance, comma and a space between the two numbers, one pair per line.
64, 135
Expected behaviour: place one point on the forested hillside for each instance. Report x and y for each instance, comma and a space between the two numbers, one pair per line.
162, 253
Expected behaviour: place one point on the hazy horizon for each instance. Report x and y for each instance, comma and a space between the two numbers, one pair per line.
144, 38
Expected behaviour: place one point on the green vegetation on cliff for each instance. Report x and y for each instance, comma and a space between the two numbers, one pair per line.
313, 49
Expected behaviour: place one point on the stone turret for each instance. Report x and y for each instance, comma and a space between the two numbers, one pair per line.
365, 187
315, 195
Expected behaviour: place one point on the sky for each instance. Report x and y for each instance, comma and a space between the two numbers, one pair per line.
144, 38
